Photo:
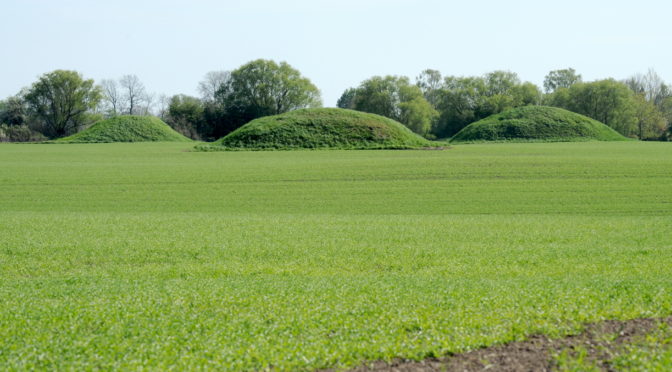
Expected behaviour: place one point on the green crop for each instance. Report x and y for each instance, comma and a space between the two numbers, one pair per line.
147, 256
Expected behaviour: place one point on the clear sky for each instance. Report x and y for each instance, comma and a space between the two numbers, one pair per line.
170, 44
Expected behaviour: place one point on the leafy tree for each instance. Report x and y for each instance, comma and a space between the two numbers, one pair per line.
382, 95
651, 123
418, 115
186, 115
396, 98
526, 94
347, 99
459, 102
654, 91
430, 82
608, 101
500, 82
463, 100
261, 88
61, 99
564, 78
13, 111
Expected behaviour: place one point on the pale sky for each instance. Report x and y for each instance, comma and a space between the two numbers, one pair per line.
171, 44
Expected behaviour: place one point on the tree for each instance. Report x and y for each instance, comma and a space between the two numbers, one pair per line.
418, 115
186, 115
112, 97
263, 87
463, 100
396, 98
430, 82
651, 86
459, 101
211, 83
561, 79
608, 101
347, 99
61, 99
651, 123
382, 96
134, 94
13, 111
500, 82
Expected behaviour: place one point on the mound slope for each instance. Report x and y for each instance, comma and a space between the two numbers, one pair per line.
322, 128
128, 128
537, 123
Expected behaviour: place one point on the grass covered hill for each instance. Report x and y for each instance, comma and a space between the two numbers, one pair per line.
537, 123
321, 128
128, 128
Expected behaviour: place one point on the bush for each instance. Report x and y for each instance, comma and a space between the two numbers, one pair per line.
19, 133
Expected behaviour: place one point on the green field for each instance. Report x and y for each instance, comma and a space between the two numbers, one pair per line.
151, 256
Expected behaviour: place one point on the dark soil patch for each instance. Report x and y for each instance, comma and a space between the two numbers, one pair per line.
601, 341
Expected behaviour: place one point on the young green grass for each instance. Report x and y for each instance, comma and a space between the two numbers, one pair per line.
127, 128
320, 128
144, 256
537, 123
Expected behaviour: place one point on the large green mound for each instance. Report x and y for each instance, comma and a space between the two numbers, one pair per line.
321, 128
128, 128
537, 123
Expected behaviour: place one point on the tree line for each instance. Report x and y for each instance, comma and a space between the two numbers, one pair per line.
63, 102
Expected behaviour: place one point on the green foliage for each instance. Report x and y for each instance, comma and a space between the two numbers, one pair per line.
463, 100
651, 122
187, 116
652, 353
61, 99
557, 79
321, 128
430, 81
393, 97
13, 111
127, 128
19, 133
347, 99
146, 257
537, 123
418, 115
607, 101
262, 88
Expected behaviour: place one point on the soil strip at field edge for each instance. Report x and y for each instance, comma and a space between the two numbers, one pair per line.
601, 341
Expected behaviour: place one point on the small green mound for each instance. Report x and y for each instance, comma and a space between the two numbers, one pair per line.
320, 129
127, 128
537, 123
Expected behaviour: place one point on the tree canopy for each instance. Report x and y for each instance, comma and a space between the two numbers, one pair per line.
393, 97
263, 87
608, 101
564, 78
61, 99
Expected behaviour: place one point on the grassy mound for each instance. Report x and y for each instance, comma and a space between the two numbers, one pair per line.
128, 129
537, 123
320, 128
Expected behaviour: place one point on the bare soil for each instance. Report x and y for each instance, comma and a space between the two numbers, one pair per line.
601, 340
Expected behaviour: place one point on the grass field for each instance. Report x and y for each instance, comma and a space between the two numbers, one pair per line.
149, 256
